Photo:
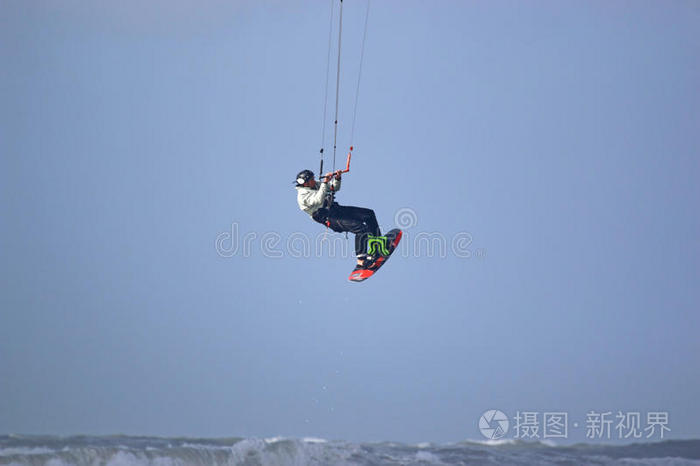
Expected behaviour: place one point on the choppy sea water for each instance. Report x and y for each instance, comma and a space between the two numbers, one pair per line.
127, 450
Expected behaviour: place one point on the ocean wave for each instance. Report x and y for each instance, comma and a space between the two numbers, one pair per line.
25, 451
311, 451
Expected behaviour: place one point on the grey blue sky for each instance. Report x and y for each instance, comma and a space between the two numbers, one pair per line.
562, 136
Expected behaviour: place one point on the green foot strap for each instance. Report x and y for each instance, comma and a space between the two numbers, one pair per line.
377, 245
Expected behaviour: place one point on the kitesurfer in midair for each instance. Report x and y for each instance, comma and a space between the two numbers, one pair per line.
316, 199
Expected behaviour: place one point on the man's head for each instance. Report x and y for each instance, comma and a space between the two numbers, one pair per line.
305, 178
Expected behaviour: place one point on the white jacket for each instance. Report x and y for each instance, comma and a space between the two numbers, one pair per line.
312, 199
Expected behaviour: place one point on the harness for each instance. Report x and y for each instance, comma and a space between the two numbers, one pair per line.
321, 216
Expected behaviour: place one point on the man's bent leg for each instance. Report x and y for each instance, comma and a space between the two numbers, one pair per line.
358, 220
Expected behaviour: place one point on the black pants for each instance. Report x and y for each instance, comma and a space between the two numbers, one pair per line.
356, 220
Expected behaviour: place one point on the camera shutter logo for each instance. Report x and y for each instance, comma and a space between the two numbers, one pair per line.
493, 424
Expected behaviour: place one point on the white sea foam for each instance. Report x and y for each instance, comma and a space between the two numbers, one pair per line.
11, 451
494, 443
314, 440
274, 439
199, 446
